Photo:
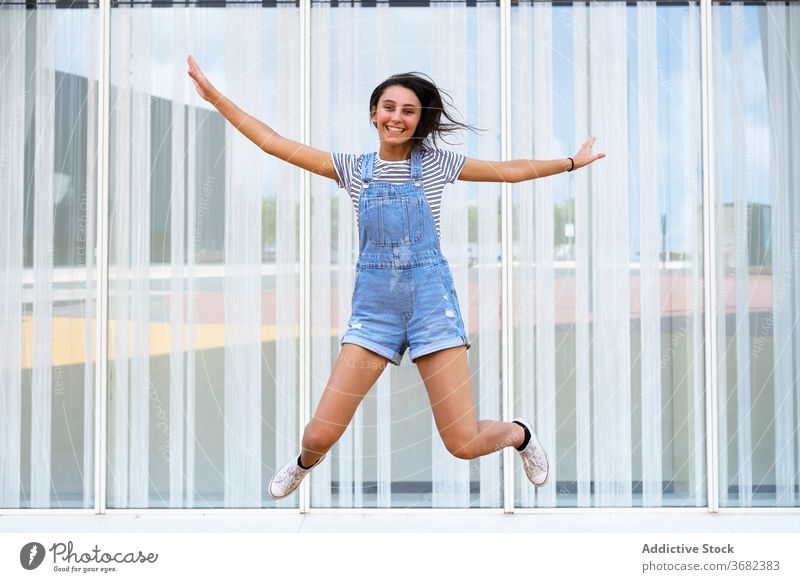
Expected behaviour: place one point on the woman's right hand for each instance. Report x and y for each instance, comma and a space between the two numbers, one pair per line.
204, 88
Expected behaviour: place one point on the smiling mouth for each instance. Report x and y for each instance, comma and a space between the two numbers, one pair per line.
393, 131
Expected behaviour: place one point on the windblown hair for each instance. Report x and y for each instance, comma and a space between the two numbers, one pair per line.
433, 107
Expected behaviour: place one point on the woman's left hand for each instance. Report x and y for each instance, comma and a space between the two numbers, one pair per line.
584, 157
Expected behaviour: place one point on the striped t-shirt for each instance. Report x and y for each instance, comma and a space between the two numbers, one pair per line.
439, 167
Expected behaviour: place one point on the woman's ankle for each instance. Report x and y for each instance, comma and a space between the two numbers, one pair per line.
304, 465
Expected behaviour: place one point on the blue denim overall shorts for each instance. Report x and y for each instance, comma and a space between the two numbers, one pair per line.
404, 294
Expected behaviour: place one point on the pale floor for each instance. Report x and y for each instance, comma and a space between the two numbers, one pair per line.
578, 521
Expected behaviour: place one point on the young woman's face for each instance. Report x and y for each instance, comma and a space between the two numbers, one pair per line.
397, 115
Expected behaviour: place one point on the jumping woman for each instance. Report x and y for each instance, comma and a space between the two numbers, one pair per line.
404, 296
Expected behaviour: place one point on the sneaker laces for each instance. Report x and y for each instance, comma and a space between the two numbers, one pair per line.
290, 476
536, 456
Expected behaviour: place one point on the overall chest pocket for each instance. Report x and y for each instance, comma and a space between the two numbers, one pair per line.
394, 221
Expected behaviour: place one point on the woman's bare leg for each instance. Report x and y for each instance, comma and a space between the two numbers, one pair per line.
446, 377
355, 372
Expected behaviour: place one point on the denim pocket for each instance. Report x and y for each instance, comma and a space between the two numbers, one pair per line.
394, 221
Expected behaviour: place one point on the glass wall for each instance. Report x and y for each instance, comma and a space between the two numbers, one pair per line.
756, 100
203, 263
392, 454
204, 300
48, 161
608, 342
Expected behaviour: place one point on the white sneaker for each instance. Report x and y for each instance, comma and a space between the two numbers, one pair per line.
288, 477
534, 459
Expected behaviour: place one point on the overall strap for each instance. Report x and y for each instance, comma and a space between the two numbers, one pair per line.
416, 163
366, 168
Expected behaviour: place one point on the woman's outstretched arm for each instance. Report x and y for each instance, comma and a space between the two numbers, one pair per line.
521, 170
260, 133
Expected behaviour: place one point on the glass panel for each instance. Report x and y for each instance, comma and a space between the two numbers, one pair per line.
203, 282
48, 162
203, 293
391, 455
756, 126
608, 313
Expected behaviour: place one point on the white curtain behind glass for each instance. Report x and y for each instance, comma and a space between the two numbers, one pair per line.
742, 169
650, 222
488, 341
322, 21
354, 49
42, 378
753, 153
12, 112
130, 264
46, 266
281, 93
242, 286
208, 320
177, 268
780, 29
583, 415
610, 271
607, 459
544, 410
722, 134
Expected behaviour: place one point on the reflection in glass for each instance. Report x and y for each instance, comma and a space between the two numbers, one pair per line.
756, 128
203, 278
392, 454
607, 261
48, 162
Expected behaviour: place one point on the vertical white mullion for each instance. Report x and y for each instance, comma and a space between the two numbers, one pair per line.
101, 281
710, 258
305, 242
506, 281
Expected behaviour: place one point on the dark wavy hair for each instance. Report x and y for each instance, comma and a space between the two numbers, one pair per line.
433, 107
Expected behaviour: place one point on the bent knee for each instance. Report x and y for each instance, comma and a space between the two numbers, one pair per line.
462, 449
319, 437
